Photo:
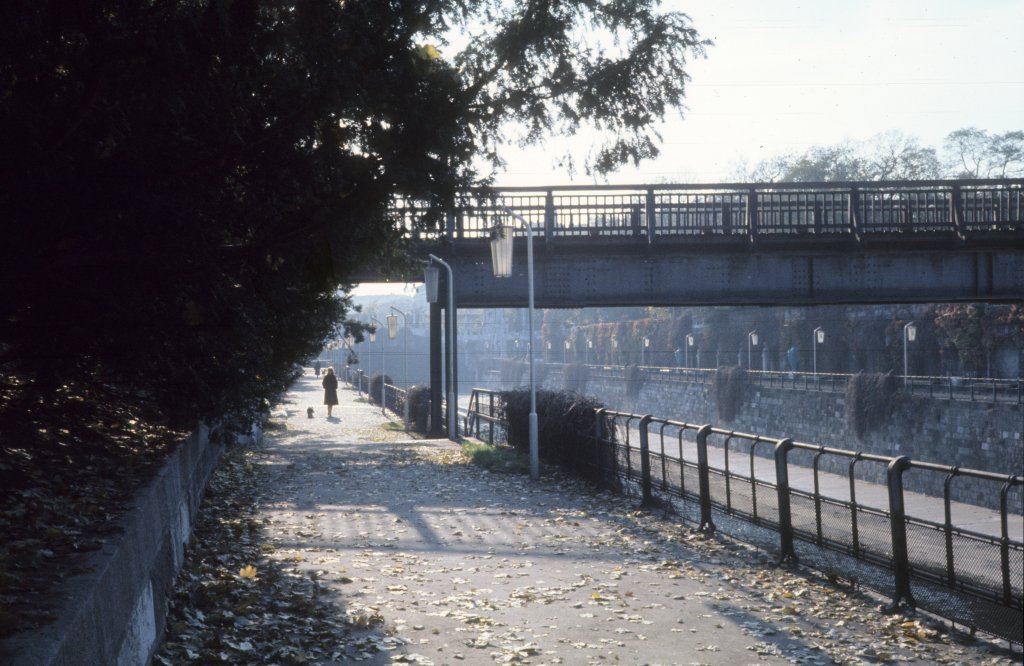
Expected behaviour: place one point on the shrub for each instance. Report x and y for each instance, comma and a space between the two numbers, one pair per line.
565, 432
728, 388
634, 378
869, 399
417, 408
377, 382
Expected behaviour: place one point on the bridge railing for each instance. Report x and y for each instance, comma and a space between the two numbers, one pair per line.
972, 389
963, 210
777, 486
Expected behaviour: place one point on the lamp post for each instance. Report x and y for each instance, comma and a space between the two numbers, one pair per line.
643, 351
370, 357
501, 261
392, 324
909, 335
819, 339
751, 342
690, 341
453, 404
382, 375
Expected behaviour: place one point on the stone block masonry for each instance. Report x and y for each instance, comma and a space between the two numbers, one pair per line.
975, 435
116, 613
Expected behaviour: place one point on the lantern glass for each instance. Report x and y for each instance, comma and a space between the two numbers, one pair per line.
689, 340
431, 276
392, 326
911, 332
373, 337
501, 251
753, 338
568, 344
647, 343
820, 335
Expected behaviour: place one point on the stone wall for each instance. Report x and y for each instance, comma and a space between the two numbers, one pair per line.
115, 614
975, 435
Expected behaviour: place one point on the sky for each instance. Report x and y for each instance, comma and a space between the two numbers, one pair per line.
784, 75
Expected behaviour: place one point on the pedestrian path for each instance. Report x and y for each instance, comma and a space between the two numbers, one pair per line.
436, 561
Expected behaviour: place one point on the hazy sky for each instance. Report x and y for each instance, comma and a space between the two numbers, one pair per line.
786, 74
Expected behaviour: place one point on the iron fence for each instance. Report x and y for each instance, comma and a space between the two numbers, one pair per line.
971, 389
945, 210
774, 492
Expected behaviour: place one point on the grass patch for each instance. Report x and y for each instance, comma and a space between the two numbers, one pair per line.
496, 458
394, 426
363, 400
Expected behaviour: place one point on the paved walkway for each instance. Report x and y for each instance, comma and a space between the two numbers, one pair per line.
437, 561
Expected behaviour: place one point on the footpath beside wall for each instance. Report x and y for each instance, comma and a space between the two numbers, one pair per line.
116, 613
975, 435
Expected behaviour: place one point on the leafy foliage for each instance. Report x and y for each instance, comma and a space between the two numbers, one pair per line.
728, 386
966, 153
634, 378
565, 431
377, 382
186, 185
417, 408
869, 400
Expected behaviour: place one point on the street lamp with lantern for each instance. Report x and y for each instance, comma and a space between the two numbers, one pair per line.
501, 261
819, 339
690, 341
430, 278
909, 335
565, 354
751, 342
382, 374
392, 325
643, 350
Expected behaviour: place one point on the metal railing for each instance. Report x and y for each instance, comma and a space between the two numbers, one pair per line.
482, 419
942, 210
919, 556
394, 397
971, 389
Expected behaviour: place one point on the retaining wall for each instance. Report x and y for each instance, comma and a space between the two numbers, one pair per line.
116, 613
977, 435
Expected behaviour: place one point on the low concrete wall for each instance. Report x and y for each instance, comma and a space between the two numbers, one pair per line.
116, 614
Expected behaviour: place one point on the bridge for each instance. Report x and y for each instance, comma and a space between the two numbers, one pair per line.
740, 244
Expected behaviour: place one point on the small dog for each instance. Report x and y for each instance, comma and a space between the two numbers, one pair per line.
309, 412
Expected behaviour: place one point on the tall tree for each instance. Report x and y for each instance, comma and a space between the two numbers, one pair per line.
187, 183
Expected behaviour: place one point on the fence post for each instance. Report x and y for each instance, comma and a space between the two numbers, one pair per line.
645, 462
549, 215
1004, 541
787, 553
598, 438
651, 216
898, 525
703, 475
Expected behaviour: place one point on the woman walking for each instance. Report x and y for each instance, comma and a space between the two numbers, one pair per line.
330, 390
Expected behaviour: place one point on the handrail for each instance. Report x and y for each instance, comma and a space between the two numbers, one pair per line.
969, 389
982, 566
961, 211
